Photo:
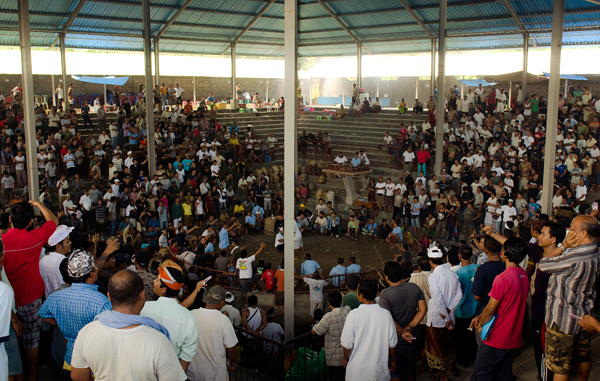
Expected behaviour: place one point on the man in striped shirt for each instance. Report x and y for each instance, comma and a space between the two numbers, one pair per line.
571, 291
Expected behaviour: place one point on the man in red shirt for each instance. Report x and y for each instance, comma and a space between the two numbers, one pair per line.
22, 247
508, 300
422, 157
268, 278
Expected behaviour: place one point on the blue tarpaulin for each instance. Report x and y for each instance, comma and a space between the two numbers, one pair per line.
568, 76
476, 82
109, 80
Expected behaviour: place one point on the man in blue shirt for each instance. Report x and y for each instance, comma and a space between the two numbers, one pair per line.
309, 266
415, 213
234, 128
154, 222
258, 209
152, 237
353, 268
187, 163
467, 345
562, 170
340, 269
223, 238
251, 223
396, 234
356, 160
370, 229
73, 307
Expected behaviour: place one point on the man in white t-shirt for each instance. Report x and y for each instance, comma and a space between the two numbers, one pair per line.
68, 205
247, 276
20, 169
409, 156
341, 159
581, 192
369, 338
214, 169
107, 346
380, 193
509, 212
216, 340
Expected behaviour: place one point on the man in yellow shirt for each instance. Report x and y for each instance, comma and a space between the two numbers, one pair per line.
187, 212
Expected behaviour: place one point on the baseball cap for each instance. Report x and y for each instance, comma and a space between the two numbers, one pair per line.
215, 295
229, 298
142, 258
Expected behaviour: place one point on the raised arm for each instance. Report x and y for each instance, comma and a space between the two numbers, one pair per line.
48, 215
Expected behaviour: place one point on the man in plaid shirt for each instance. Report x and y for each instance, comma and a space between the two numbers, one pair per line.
331, 326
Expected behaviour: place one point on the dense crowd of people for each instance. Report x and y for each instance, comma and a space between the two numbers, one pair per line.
473, 244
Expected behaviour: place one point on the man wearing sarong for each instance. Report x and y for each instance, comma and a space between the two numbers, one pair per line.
446, 294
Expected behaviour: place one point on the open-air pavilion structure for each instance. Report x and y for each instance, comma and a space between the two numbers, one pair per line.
292, 28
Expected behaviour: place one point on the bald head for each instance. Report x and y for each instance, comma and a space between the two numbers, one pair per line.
586, 227
125, 288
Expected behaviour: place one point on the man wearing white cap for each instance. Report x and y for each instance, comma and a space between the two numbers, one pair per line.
446, 295
129, 159
230, 311
60, 246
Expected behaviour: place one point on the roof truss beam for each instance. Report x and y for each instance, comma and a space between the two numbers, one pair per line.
250, 24
202, 10
70, 20
340, 22
414, 8
172, 19
515, 17
412, 14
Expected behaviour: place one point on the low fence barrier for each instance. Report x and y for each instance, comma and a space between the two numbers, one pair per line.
261, 358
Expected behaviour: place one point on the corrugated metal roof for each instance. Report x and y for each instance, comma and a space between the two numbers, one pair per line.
218, 22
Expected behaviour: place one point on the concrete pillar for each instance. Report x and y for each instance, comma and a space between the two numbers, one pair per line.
439, 126
28, 106
553, 91
416, 90
289, 138
525, 62
359, 68
156, 62
194, 82
432, 80
63, 65
149, 102
54, 101
233, 76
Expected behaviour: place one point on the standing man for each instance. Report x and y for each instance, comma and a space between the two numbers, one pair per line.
247, 276
337, 271
508, 300
75, 306
485, 275
105, 346
178, 92
216, 340
167, 311
467, 345
22, 248
60, 247
406, 303
571, 290
331, 325
440, 344
369, 338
